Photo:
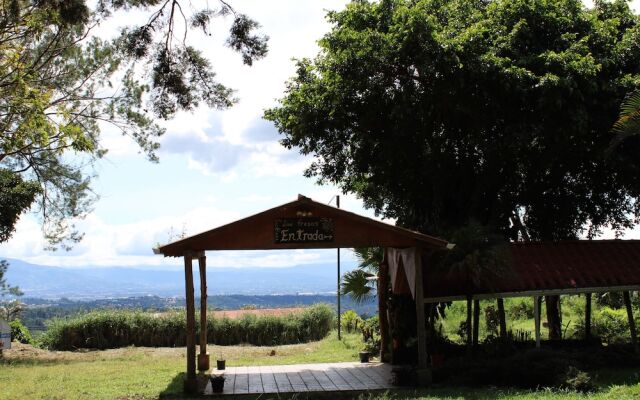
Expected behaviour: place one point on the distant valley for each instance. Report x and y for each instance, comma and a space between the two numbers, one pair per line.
88, 283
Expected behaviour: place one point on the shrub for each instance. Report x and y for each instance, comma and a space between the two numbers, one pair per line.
521, 308
611, 325
20, 333
111, 329
351, 321
371, 335
492, 320
462, 331
577, 380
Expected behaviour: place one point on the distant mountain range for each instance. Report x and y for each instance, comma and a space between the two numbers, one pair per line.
111, 282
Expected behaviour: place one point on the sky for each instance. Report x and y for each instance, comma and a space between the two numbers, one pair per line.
215, 166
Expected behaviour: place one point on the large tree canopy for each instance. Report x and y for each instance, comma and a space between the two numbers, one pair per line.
445, 113
60, 83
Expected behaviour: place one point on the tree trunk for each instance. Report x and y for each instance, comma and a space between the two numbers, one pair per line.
502, 318
632, 323
476, 321
554, 318
383, 316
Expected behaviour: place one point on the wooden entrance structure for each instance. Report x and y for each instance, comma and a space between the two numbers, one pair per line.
301, 224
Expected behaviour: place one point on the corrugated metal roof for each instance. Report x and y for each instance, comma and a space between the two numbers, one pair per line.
571, 266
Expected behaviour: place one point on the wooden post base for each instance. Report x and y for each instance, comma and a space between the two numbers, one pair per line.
191, 386
203, 362
423, 376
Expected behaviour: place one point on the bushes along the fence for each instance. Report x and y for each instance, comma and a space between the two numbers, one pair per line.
120, 328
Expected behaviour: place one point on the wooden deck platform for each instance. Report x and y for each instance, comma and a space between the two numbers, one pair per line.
328, 377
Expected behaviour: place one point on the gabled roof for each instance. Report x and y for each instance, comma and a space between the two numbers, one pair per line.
258, 232
581, 266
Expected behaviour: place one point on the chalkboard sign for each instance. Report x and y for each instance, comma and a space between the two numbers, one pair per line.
303, 230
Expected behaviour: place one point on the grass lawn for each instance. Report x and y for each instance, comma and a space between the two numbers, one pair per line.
151, 373
140, 373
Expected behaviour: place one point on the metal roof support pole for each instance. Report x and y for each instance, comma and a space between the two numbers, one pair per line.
190, 383
536, 318
423, 372
203, 357
632, 323
338, 289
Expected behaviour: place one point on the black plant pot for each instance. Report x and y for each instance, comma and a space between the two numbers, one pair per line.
364, 356
220, 364
217, 384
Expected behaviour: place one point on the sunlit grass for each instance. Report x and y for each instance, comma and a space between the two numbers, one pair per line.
141, 373
152, 373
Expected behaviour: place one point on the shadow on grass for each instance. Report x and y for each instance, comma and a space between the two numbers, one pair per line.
175, 388
606, 377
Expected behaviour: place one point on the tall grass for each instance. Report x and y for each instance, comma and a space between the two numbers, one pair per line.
119, 328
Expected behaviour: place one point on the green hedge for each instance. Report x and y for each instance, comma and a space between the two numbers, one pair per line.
120, 328
20, 333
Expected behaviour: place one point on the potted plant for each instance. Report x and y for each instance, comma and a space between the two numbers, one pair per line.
217, 383
364, 355
220, 363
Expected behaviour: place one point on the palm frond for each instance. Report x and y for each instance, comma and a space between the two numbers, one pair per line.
628, 123
369, 258
358, 285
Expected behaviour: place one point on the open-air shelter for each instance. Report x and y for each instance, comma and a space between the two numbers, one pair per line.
537, 269
301, 224
534, 269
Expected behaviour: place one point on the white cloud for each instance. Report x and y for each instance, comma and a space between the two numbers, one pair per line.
107, 244
130, 244
209, 154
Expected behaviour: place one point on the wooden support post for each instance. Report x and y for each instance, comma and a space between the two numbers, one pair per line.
203, 357
632, 323
476, 321
502, 318
587, 317
383, 289
423, 373
536, 318
191, 383
469, 321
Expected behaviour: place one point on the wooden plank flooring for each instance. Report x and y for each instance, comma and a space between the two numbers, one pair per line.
328, 377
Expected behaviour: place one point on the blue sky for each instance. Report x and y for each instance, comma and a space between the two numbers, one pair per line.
216, 166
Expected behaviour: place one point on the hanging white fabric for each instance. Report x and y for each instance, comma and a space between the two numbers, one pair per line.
403, 258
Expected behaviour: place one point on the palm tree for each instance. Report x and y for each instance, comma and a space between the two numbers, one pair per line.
369, 279
628, 122
360, 283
